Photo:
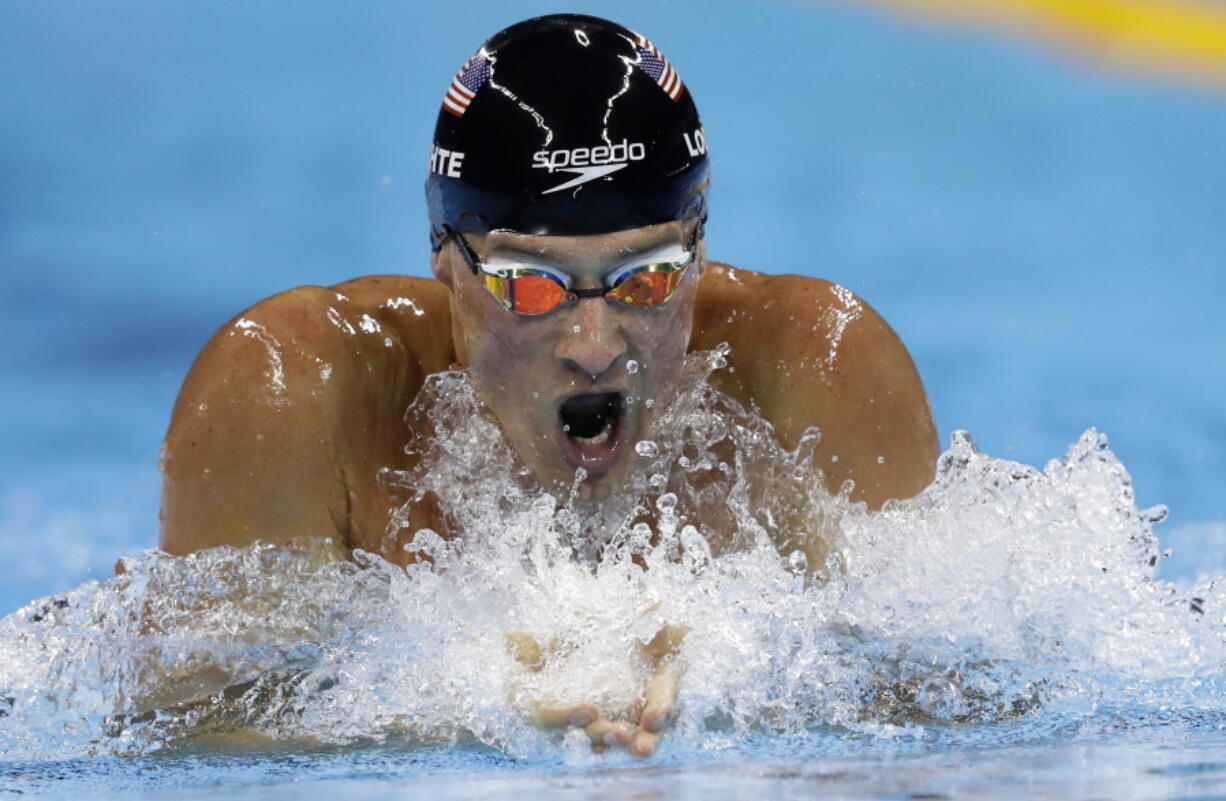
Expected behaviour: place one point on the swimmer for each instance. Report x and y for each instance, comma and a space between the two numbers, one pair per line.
567, 191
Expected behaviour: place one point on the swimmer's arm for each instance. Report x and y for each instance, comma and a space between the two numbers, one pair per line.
268, 422
250, 450
809, 353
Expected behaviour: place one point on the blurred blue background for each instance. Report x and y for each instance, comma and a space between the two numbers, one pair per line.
1048, 238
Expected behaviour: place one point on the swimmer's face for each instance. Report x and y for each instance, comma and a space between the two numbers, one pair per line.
576, 387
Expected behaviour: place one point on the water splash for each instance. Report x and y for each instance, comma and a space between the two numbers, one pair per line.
1001, 592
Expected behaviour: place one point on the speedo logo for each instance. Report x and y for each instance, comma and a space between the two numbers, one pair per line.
588, 163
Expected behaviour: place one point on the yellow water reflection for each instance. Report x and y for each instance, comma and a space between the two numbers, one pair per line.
1184, 39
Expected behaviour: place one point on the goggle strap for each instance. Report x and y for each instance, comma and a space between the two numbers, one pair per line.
466, 250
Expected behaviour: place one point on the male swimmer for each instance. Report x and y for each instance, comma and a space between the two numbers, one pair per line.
567, 195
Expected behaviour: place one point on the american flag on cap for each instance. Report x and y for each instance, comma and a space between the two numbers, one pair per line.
653, 62
471, 77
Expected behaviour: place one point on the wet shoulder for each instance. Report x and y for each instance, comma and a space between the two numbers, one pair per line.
414, 311
750, 308
379, 311
812, 354
303, 338
289, 400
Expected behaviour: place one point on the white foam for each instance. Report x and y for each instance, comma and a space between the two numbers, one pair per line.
1000, 591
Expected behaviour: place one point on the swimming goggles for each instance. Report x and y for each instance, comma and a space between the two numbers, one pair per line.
536, 290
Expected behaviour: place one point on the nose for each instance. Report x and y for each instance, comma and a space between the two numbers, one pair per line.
592, 342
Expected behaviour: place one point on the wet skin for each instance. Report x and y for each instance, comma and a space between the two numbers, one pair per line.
294, 406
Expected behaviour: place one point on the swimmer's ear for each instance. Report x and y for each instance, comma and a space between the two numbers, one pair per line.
441, 265
700, 257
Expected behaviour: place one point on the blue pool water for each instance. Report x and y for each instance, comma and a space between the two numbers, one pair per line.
1046, 237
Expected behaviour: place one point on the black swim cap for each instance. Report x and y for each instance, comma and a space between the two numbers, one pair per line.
566, 124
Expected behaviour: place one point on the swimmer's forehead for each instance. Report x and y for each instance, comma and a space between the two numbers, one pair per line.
582, 251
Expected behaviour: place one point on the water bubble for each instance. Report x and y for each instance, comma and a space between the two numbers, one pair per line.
578, 329
880, 460
640, 536
632, 367
646, 448
1155, 514
580, 476
696, 550
649, 403
425, 543
718, 358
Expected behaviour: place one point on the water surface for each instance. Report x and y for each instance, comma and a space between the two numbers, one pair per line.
1045, 237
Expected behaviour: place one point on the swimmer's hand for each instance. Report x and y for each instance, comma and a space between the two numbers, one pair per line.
655, 710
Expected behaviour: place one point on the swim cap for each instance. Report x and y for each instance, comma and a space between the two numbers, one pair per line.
566, 124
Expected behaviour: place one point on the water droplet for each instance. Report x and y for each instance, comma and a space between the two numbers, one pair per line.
204, 407
646, 448
834, 457
880, 460
649, 403
577, 329
632, 367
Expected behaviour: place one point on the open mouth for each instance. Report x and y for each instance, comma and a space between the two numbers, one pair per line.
591, 429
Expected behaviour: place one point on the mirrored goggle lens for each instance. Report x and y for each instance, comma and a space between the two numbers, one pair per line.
526, 293
651, 287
